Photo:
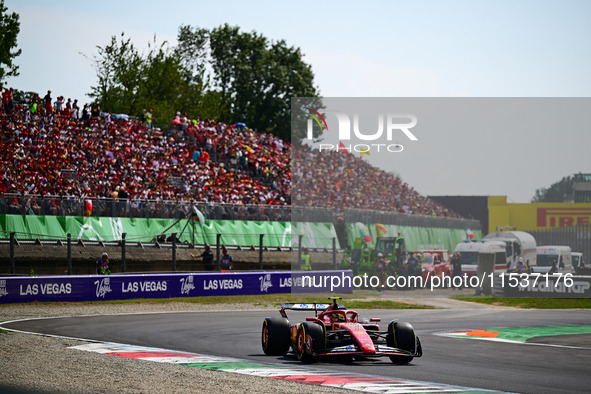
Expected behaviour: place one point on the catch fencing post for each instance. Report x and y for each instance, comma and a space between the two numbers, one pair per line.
334, 253
299, 262
123, 245
173, 252
12, 268
261, 236
218, 238
69, 249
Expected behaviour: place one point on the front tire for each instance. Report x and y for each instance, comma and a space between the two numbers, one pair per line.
275, 336
401, 336
310, 338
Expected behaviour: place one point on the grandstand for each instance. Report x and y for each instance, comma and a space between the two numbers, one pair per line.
55, 165
51, 162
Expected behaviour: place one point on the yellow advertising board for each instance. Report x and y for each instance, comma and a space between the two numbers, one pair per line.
535, 216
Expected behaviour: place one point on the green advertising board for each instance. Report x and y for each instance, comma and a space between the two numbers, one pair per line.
415, 238
233, 232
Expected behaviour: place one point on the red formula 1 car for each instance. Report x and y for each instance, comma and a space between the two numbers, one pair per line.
338, 331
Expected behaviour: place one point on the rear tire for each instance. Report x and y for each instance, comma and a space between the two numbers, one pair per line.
275, 336
401, 336
311, 337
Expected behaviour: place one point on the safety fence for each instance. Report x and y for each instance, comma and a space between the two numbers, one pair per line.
29, 204
171, 245
35, 254
577, 237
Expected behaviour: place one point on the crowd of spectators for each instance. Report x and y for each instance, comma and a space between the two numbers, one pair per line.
56, 151
58, 155
341, 180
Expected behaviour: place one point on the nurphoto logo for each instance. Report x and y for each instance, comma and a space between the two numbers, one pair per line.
353, 138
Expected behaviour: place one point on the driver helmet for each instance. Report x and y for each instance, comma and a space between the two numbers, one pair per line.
337, 317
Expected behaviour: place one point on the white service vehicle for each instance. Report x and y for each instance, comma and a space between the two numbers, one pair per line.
517, 244
471, 252
547, 254
577, 260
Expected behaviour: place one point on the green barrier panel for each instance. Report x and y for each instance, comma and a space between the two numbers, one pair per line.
414, 237
234, 232
315, 235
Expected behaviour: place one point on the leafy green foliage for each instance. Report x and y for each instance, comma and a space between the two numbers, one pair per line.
9, 29
23, 97
257, 78
558, 192
129, 81
222, 74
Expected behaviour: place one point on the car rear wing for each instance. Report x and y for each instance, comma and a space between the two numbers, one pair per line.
306, 307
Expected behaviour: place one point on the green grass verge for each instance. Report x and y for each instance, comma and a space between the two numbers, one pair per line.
531, 303
268, 300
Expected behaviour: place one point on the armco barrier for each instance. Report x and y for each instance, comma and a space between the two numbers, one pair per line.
121, 287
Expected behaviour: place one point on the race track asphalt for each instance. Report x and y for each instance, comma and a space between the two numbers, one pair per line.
563, 367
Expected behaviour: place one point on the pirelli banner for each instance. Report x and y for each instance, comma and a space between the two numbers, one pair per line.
538, 216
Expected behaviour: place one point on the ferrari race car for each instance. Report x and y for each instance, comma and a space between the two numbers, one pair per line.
337, 331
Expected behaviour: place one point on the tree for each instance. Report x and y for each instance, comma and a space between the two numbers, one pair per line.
9, 29
119, 67
220, 74
560, 191
254, 77
129, 81
192, 50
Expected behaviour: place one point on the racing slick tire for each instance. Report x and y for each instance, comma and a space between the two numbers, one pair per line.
310, 338
401, 336
275, 336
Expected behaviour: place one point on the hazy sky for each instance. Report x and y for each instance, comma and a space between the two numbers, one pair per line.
405, 48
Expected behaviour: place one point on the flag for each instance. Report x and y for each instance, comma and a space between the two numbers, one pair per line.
364, 152
87, 208
199, 216
363, 232
470, 234
381, 229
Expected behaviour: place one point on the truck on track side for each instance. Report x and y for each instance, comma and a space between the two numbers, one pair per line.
362, 256
517, 244
472, 252
546, 254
